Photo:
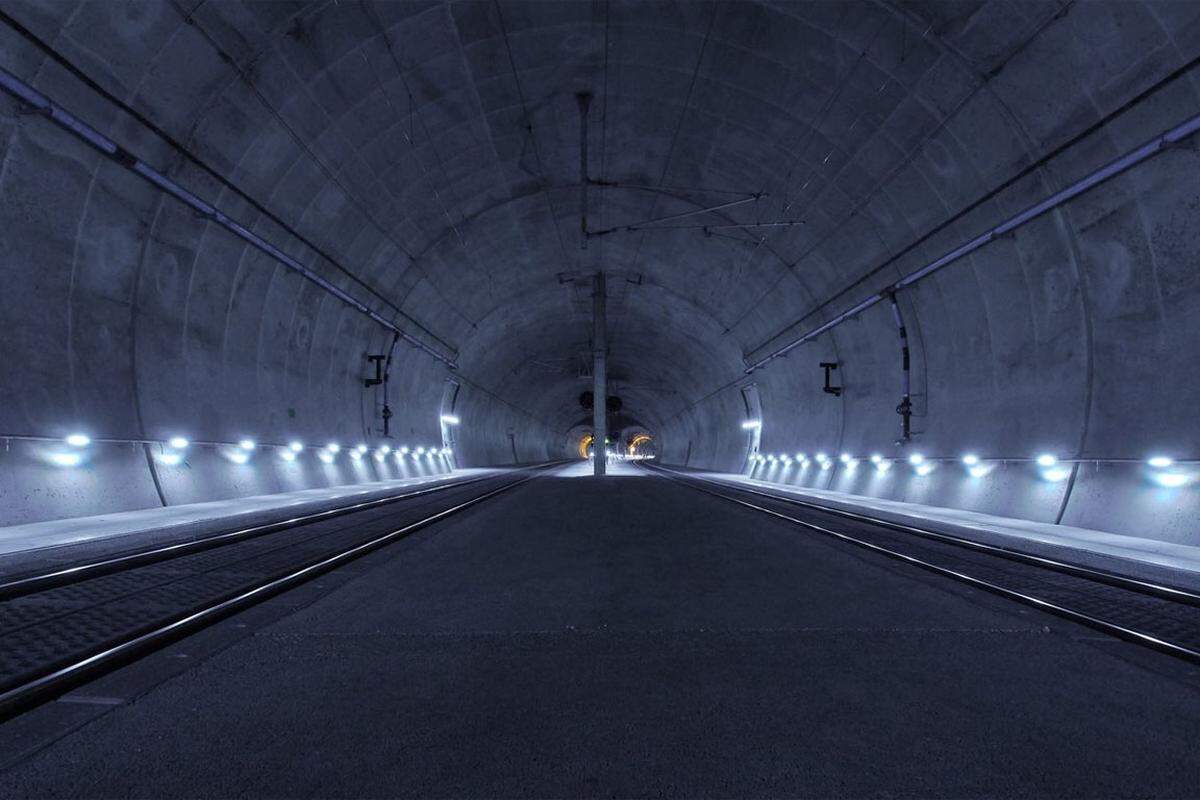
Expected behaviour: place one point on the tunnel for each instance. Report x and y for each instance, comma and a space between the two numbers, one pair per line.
548, 398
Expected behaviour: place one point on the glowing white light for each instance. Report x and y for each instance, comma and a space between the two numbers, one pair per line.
1046, 460
362, 448
924, 469
238, 458
288, 455
246, 444
1172, 480
883, 466
978, 470
385, 449
78, 440
1160, 462
403, 451
325, 456
916, 459
178, 442
801, 457
771, 458
397, 455
420, 451
380, 455
970, 459
851, 464
822, 457
751, 424
296, 447
66, 459
356, 454
446, 451
876, 458
844, 458
786, 459
170, 459
1056, 474
450, 419
826, 464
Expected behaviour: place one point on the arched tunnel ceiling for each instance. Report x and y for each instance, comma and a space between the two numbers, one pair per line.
443, 142
663, 349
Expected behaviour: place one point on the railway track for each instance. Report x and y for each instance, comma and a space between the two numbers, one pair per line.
70, 624
1160, 616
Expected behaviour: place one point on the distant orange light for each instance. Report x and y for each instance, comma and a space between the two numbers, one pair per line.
638, 440
584, 444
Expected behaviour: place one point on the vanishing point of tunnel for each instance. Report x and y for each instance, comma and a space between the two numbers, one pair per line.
599, 398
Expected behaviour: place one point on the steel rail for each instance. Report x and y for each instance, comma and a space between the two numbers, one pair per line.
17, 587
1160, 590
60, 679
1111, 628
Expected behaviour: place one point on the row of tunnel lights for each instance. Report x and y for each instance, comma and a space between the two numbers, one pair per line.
974, 464
240, 453
976, 467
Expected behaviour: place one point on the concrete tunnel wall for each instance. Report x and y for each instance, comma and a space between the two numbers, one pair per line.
129, 317
424, 158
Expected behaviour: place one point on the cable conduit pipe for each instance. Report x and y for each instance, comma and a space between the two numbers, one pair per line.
1093, 179
166, 137
69, 122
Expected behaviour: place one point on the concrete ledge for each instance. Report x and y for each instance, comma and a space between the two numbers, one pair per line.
1146, 559
40, 544
107, 478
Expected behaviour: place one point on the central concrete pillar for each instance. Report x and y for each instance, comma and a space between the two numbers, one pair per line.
599, 378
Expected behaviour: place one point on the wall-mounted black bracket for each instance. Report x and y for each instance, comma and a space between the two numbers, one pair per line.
829, 367
379, 377
905, 410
